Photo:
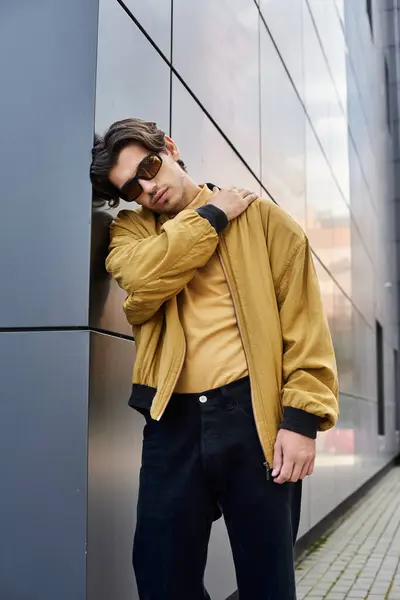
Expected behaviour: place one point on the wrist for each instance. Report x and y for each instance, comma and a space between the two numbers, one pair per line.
215, 215
300, 421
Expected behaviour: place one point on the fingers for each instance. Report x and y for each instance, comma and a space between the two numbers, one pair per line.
249, 199
283, 467
286, 471
248, 196
296, 473
278, 459
233, 201
291, 472
294, 457
304, 470
244, 192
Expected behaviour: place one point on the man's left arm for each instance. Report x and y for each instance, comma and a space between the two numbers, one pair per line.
310, 386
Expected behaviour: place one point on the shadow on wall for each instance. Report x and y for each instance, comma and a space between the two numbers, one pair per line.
100, 279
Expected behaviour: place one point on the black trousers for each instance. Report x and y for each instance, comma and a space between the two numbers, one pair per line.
202, 457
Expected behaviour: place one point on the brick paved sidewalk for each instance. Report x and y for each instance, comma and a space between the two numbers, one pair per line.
361, 558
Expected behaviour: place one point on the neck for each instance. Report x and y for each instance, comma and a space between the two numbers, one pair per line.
190, 191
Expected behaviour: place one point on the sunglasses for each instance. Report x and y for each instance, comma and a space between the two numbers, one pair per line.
148, 168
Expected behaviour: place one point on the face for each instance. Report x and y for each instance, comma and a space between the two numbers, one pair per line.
169, 192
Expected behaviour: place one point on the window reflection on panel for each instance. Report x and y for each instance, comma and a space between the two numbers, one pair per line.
210, 158
284, 20
326, 86
366, 220
358, 198
339, 4
216, 51
364, 353
362, 51
359, 131
354, 110
132, 79
363, 280
344, 341
342, 443
341, 243
326, 285
339, 149
346, 14
283, 134
319, 92
319, 183
336, 448
155, 18
331, 34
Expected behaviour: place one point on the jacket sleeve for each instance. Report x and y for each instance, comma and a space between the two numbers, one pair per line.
310, 385
154, 268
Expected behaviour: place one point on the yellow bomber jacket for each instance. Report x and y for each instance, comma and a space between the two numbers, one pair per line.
270, 272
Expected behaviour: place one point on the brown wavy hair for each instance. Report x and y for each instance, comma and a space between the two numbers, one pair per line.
106, 150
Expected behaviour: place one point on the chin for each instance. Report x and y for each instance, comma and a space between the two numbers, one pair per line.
170, 207
162, 210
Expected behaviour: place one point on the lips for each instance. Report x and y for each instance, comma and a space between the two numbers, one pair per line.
159, 196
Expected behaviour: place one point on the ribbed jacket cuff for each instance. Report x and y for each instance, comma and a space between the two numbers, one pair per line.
300, 421
214, 215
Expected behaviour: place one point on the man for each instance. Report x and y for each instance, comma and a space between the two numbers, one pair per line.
234, 373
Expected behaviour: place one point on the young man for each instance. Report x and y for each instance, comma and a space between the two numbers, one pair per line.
234, 373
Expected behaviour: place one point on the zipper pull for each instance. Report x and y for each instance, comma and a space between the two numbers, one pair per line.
268, 471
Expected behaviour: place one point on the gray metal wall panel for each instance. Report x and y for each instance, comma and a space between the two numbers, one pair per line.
210, 158
132, 78
132, 81
47, 66
115, 441
155, 17
216, 51
115, 437
43, 465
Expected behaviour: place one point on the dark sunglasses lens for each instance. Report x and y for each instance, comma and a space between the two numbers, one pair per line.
149, 167
147, 170
132, 191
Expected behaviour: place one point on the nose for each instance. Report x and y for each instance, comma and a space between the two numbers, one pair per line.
147, 186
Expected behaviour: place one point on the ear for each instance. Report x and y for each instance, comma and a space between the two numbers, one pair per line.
172, 148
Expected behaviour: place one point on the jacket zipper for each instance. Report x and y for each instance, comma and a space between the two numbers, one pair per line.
222, 242
176, 378
179, 370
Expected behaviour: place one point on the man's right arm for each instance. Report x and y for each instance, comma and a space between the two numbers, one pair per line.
154, 268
